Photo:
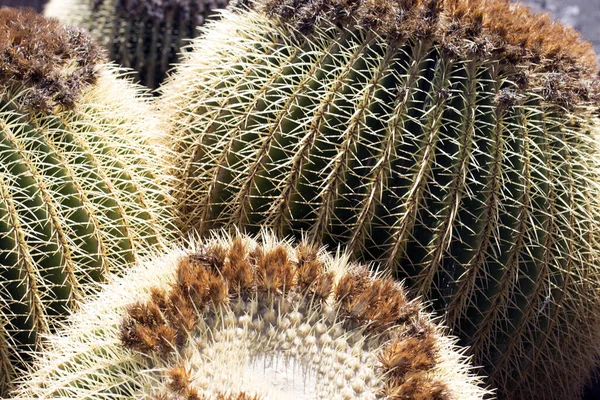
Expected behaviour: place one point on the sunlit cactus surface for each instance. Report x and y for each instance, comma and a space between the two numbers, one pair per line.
453, 142
82, 190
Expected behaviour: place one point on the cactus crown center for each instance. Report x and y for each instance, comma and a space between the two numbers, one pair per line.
47, 63
279, 355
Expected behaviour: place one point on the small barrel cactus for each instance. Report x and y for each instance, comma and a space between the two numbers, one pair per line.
144, 35
236, 318
82, 190
450, 141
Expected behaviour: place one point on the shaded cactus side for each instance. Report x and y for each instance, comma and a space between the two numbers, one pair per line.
234, 318
449, 141
82, 189
144, 35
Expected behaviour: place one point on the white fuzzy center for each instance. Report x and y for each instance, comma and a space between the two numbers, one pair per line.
282, 357
285, 379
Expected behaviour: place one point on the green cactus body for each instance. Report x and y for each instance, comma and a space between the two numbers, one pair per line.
452, 142
82, 190
232, 316
143, 35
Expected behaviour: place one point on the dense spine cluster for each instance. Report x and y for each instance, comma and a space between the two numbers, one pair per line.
236, 319
144, 35
82, 190
452, 142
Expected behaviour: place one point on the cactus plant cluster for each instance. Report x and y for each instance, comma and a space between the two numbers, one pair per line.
453, 143
82, 193
231, 318
144, 35
450, 141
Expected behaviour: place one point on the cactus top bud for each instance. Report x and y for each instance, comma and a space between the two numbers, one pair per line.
277, 322
52, 62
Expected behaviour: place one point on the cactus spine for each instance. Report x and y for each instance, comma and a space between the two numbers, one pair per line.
450, 141
144, 35
82, 191
233, 318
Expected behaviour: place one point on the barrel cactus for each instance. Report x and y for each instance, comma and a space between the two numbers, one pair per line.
82, 190
144, 35
453, 142
236, 318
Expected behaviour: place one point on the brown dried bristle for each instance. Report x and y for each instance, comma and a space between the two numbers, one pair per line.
407, 361
375, 304
416, 387
194, 396
47, 62
180, 380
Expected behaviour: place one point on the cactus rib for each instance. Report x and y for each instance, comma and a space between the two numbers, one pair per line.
83, 191
143, 35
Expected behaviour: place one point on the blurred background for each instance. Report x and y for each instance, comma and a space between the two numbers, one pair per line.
584, 15
37, 4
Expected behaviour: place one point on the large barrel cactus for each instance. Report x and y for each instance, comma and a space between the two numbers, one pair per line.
451, 141
145, 35
233, 318
82, 191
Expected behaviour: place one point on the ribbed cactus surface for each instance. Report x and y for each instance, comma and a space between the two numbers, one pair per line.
144, 35
234, 318
452, 142
82, 191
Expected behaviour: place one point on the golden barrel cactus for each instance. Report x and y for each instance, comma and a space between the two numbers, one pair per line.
232, 318
453, 142
145, 35
82, 190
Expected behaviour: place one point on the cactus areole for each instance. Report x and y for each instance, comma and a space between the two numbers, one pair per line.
281, 323
454, 142
81, 189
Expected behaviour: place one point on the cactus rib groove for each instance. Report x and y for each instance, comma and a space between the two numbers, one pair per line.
144, 35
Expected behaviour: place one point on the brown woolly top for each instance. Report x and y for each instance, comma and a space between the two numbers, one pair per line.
492, 29
216, 275
51, 62
492, 25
